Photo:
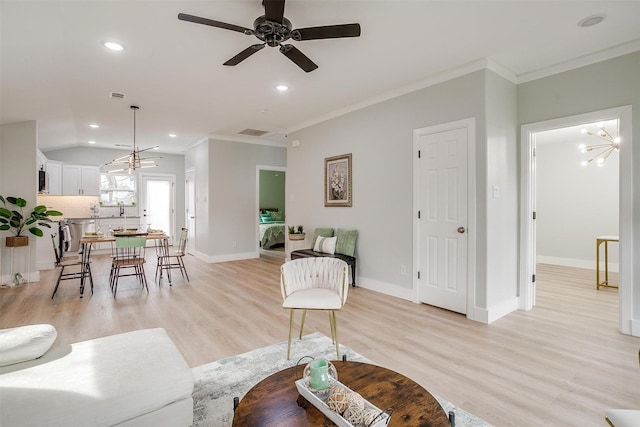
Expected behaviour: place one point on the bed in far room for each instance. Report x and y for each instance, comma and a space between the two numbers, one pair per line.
271, 225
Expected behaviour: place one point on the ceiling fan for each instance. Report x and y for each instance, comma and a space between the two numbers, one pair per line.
273, 29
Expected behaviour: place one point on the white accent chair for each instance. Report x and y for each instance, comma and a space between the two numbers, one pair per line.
319, 283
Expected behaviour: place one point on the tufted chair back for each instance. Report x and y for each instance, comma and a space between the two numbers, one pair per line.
315, 272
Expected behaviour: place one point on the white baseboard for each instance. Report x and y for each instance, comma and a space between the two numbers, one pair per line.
495, 312
385, 288
635, 327
576, 263
224, 258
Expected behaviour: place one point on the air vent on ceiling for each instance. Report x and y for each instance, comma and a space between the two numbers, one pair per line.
122, 145
116, 95
253, 132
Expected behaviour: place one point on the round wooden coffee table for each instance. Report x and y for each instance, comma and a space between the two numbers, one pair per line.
275, 401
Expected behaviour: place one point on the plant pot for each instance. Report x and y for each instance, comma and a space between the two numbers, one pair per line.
297, 236
16, 241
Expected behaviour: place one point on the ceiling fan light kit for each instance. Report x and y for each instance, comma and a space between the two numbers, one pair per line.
273, 29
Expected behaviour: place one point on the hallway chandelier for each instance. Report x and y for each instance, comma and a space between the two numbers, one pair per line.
603, 151
133, 160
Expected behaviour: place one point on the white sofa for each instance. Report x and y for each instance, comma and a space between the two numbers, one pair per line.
137, 378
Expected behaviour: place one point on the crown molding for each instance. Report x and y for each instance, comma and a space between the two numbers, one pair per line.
581, 61
234, 138
481, 64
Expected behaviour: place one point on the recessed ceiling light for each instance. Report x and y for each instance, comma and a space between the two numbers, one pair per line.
91, 142
93, 125
113, 46
592, 20
282, 88
157, 147
172, 135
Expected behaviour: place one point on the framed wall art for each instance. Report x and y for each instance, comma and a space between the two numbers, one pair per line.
337, 181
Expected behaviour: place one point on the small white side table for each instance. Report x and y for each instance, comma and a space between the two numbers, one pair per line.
26, 279
294, 245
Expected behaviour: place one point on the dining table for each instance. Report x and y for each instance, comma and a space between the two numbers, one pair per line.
161, 240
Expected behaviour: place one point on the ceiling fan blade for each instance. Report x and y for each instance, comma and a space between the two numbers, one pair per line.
326, 32
244, 54
299, 58
273, 10
211, 22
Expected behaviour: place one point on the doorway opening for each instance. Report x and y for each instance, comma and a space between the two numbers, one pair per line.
530, 198
190, 210
270, 211
159, 202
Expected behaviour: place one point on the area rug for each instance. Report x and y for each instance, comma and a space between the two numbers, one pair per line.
217, 383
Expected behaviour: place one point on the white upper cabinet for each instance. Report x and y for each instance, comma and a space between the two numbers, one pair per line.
54, 172
79, 180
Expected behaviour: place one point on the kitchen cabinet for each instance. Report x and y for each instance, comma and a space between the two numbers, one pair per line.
80, 180
54, 172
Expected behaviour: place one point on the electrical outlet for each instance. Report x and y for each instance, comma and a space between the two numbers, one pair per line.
403, 270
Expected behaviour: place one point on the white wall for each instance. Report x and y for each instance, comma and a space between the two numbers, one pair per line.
380, 138
18, 177
596, 87
501, 197
197, 158
574, 204
227, 171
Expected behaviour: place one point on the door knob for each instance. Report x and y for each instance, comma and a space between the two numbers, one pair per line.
461, 230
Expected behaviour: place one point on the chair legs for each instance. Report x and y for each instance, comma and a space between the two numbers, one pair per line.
334, 331
85, 271
138, 272
165, 263
290, 329
333, 323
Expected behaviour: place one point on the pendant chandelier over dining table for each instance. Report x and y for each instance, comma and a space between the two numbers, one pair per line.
133, 160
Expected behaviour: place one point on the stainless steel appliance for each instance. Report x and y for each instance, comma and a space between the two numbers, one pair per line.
69, 241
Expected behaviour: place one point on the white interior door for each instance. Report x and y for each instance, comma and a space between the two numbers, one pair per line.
190, 203
442, 242
158, 202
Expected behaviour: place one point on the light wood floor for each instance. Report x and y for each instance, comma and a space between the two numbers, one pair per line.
561, 364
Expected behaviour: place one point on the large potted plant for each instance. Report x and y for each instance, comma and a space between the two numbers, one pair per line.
19, 222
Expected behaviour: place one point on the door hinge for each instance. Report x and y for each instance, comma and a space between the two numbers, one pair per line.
418, 214
534, 215
418, 275
533, 279
419, 153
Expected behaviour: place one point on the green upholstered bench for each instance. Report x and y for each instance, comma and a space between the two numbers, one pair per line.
345, 245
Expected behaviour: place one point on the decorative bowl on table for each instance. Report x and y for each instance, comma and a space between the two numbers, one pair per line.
345, 407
